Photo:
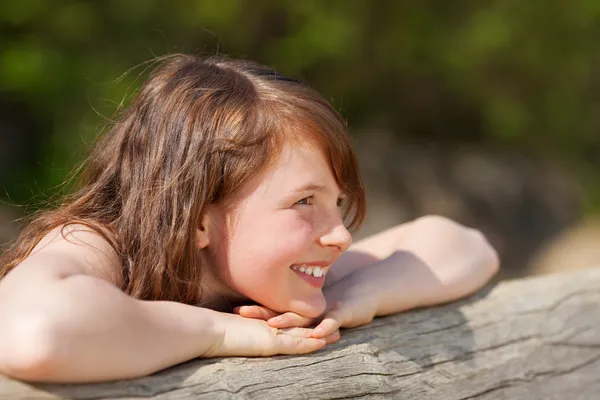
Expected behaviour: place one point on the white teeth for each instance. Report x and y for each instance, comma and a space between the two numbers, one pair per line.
317, 272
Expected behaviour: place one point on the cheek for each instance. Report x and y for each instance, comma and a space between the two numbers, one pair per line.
289, 229
263, 255
294, 232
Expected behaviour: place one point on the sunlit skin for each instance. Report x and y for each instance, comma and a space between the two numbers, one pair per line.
290, 215
122, 284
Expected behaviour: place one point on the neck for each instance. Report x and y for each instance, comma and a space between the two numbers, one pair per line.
218, 296
223, 303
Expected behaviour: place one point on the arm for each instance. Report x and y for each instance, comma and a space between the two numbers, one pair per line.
82, 328
62, 322
428, 261
435, 261
427, 238
368, 252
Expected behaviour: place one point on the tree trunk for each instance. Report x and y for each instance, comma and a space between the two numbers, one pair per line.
536, 338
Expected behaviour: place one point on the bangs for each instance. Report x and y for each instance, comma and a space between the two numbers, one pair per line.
344, 166
296, 112
324, 128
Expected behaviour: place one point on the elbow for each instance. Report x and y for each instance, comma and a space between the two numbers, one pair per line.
482, 264
493, 261
473, 242
465, 258
487, 257
29, 348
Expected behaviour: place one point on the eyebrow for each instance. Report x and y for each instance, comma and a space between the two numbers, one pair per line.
311, 187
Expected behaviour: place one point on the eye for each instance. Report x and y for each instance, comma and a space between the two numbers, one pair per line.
306, 201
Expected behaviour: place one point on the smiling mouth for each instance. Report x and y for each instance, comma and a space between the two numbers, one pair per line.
314, 271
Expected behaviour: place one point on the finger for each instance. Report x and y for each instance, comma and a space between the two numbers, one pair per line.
330, 323
333, 338
308, 333
289, 320
287, 344
296, 332
256, 312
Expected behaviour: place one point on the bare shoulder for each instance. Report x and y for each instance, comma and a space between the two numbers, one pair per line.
76, 249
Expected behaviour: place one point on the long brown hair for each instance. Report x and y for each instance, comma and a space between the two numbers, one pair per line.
196, 131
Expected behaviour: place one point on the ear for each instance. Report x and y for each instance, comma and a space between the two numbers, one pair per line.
203, 230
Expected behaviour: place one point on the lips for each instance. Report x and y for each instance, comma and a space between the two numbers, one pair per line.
313, 273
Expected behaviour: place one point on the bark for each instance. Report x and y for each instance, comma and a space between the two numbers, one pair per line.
536, 338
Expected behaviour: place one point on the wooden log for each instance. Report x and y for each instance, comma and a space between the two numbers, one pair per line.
536, 338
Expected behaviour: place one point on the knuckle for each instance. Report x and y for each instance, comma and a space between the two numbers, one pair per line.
493, 260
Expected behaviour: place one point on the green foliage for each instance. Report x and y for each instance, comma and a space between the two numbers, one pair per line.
522, 75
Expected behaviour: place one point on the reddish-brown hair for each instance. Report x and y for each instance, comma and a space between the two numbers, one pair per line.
196, 131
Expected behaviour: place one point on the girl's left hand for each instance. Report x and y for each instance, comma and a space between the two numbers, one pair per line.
345, 309
274, 318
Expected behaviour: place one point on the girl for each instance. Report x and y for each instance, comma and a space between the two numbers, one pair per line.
212, 220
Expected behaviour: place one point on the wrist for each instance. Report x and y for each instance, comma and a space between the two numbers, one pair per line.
390, 284
358, 287
215, 333
230, 335
190, 330
366, 286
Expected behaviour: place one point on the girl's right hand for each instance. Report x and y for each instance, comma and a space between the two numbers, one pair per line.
249, 337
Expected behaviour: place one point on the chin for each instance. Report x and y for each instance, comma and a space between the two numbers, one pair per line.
312, 307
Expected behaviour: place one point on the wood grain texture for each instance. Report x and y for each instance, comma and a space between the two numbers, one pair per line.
536, 338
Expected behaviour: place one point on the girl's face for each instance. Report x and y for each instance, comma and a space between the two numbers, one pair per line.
284, 227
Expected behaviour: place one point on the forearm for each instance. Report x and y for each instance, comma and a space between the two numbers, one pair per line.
85, 329
401, 282
404, 281
395, 284
431, 260
368, 251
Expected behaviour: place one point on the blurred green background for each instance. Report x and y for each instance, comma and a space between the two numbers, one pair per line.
485, 111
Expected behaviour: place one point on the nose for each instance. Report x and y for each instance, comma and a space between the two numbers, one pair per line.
337, 236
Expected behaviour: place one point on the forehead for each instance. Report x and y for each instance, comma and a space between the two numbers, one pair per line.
298, 165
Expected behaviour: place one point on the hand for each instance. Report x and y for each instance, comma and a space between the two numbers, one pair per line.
252, 337
274, 318
348, 306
